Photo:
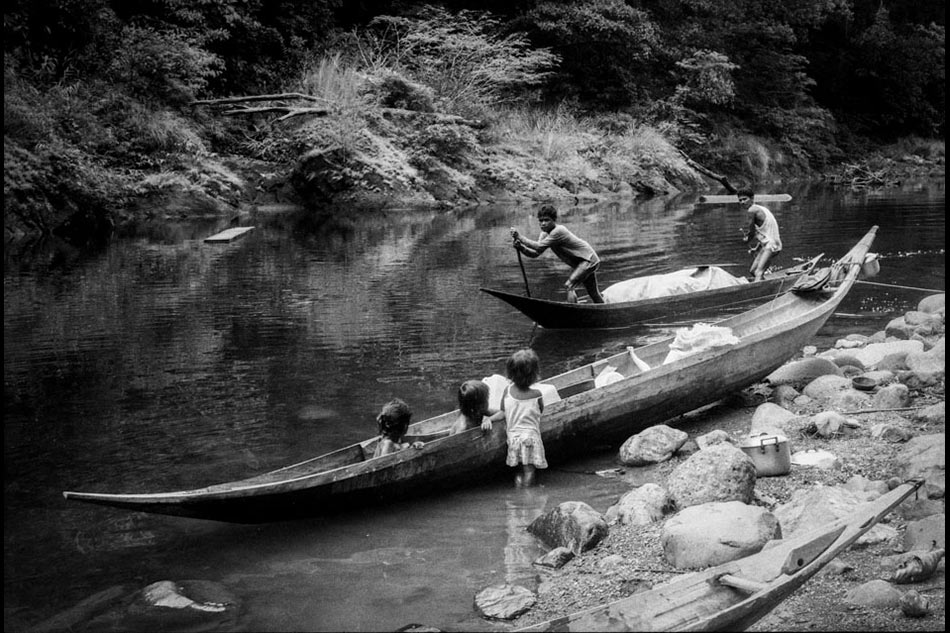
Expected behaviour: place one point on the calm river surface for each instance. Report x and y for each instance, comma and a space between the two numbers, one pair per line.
162, 362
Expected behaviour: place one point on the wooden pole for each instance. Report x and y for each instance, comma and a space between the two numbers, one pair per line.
524, 275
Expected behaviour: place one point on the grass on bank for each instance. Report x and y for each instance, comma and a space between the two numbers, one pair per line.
90, 145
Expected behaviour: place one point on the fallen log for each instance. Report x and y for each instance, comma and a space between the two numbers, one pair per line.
707, 172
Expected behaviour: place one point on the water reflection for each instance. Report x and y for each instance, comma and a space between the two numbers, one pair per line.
162, 362
523, 548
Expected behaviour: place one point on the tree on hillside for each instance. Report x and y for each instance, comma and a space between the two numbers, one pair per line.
607, 48
466, 58
883, 77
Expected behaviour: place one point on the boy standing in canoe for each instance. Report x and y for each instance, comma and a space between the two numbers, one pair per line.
764, 227
569, 248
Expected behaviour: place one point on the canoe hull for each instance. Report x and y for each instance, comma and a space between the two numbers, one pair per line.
585, 416
562, 315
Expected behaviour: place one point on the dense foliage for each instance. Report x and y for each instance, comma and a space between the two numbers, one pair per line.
109, 83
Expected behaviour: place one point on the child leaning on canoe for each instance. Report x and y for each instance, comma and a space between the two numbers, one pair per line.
393, 423
521, 408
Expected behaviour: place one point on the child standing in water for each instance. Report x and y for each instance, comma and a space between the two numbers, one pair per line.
521, 408
473, 407
393, 423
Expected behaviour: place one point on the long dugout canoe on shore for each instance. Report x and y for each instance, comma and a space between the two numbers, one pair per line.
563, 315
581, 415
737, 594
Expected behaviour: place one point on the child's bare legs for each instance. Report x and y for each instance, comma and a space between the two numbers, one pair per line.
526, 477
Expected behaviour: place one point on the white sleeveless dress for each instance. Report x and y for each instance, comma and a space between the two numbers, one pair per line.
523, 418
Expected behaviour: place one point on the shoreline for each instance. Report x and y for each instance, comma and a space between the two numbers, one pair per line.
631, 558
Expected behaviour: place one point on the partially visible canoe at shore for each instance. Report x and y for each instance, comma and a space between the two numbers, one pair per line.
737, 594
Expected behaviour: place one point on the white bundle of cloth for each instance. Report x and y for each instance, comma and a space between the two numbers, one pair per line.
497, 384
699, 338
675, 283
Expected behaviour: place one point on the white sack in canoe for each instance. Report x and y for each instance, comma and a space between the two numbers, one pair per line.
675, 283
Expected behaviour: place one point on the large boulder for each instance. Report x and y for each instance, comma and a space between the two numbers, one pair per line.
933, 303
926, 533
504, 602
720, 473
878, 594
894, 396
874, 353
931, 361
899, 328
641, 506
714, 533
932, 415
800, 372
810, 508
772, 418
824, 388
866, 489
572, 524
849, 399
925, 457
653, 445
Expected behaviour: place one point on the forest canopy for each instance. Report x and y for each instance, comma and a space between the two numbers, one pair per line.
114, 82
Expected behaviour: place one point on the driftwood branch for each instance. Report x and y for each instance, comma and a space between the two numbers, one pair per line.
288, 111
881, 410
283, 96
706, 172
436, 117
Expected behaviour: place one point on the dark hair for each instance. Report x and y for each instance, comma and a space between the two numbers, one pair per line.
745, 192
523, 367
473, 399
393, 420
547, 211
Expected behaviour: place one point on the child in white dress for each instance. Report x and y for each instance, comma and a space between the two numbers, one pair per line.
521, 408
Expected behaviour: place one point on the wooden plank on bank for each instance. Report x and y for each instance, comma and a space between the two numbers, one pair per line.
759, 197
229, 234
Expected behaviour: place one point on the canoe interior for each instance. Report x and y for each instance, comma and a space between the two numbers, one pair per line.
769, 335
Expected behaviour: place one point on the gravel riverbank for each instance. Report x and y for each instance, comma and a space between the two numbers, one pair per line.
631, 558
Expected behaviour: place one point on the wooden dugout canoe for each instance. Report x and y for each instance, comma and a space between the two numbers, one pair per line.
769, 335
735, 595
563, 315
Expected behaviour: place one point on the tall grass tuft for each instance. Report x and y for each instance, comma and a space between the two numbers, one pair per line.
348, 99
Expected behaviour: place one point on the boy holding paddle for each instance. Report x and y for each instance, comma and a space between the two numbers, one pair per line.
764, 227
569, 248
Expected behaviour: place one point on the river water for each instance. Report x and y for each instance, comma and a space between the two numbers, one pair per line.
161, 362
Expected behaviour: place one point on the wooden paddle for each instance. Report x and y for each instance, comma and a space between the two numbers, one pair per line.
524, 275
759, 197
